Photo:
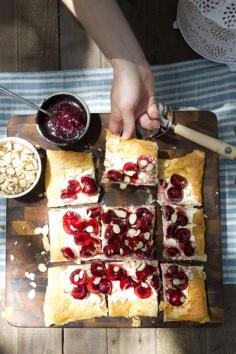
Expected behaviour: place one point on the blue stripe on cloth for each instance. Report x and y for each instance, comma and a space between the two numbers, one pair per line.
196, 84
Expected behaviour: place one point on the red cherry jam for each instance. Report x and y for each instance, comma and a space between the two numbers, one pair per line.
66, 120
71, 191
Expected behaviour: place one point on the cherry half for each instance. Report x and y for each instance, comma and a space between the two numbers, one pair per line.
178, 181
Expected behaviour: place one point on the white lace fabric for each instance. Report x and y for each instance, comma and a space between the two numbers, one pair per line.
209, 27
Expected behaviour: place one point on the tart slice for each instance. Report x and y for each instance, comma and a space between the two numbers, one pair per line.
135, 288
74, 233
127, 232
69, 297
183, 230
130, 161
70, 178
184, 293
180, 179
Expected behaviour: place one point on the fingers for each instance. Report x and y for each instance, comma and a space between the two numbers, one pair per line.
152, 109
129, 125
148, 124
115, 124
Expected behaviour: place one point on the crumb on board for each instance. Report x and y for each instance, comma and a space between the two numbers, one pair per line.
205, 216
41, 230
46, 244
29, 244
31, 294
43, 253
15, 243
30, 276
12, 257
33, 284
8, 313
42, 268
136, 321
123, 185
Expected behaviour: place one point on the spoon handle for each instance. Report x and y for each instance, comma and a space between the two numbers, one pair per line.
19, 98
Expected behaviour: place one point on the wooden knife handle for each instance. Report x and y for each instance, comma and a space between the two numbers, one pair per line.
208, 142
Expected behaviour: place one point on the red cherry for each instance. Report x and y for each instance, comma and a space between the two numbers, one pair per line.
167, 212
70, 222
145, 272
142, 291
92, 287
175, 297
108, 216
115, 176
178, 181
127, 283
130, 169
182, 219
188, 249
105, 286
94, 212
111, 249
172, 251
81, 225
143, 212
143, 161
180, 280
109, 234
95, 225
78, 277
89, 185
175, 194
171, 230
115, 272
67, 253
121, 223
173, 269
98, 268
155, 282
90, 249
79, 292
83, 238
133, 241
183, 234
71, 190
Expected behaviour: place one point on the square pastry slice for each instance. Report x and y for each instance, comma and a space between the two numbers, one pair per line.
135, 288
180, 179
130, 161
184, 293
68, 297
74, 233
127, 232
183, 230
70, 178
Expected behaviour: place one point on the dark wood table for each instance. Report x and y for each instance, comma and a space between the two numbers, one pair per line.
30, 28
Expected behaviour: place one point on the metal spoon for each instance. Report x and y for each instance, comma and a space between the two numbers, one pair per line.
19, 98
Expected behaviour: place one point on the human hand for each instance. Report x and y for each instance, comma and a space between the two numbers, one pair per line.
132, 98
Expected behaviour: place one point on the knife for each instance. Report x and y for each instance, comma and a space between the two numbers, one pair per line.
167, 123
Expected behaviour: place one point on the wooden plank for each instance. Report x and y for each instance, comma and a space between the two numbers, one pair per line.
181, 341
131, 341
37, 36
223, 340
163, 43
38, 340
77, 49
7, 333
85, 341
8, 35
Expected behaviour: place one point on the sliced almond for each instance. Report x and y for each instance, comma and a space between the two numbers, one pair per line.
96, 281
123, 186
131, 232
132, 218
149, 167
176, 281
127, 179
116, 229
143, 163
130, 173
120, 213
147, 235
89, 229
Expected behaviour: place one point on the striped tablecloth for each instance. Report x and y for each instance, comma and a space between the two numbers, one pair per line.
197, 84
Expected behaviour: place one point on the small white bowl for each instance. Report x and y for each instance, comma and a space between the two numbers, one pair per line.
28, 145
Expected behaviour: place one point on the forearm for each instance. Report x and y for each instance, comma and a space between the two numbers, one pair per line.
109, 28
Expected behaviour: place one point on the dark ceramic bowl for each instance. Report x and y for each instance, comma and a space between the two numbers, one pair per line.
50, 101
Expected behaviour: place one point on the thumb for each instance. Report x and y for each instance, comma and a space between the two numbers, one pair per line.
129, 125
153, 111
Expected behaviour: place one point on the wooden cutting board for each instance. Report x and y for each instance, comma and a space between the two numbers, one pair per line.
25, 250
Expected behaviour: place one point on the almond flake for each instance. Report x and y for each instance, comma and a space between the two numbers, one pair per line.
141, 267
144, 285
182, 299
130, 173
29, 275
33, 284
31, 294
96, 281
131, 232
143, 163
116, 229
132, 218
89, 229
123, 185
176, 281
127, 179
76, 277
149, 167
146, 235
116, 269
42, 268
120, 213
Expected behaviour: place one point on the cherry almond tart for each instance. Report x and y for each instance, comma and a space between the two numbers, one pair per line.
130, 161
